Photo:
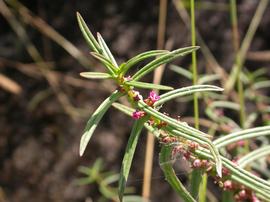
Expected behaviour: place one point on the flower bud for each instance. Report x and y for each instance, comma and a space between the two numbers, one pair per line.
242, 194
197, 163
228, 185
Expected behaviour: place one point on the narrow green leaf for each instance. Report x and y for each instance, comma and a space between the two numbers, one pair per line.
221, 119
208, 78
195, 182
250, 120
105, 50
90, 39
134, 198
163, 60
95, 119
164, 158
95, 75
111, 178
139, 84
259, 72
185, 91
242, 135
182, 126
123, 108
225, 104
121, 67
107, 190
152, 130
261, 84
107, 63
182, 71
254, 155
129, 153
143, 56
84, 181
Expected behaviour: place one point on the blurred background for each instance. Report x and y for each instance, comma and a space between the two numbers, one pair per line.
45, 104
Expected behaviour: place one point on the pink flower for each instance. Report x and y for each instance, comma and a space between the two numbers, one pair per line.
197, 163
153, 96
138, 114
243, 194
228, 185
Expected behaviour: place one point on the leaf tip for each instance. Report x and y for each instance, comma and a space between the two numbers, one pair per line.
81, 152
82, 145
220, 89
82, 74
98, 35
219, 169
79, 17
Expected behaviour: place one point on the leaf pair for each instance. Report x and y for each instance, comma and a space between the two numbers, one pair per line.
95, 119
99, 48
103, 53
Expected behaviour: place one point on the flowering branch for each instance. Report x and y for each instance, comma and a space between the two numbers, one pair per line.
193, 145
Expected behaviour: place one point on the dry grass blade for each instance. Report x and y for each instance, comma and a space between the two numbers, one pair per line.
150, 144
262, 56
241, 55
33, 52
48, 31
10, 85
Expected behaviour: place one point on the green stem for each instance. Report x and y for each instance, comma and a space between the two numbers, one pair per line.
246, 42
203, 188
194, 63
235, 35
226, 195
196, 175
240, 88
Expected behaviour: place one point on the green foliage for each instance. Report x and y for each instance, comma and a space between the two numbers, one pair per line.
164, 59
171, 133
95, 119
105, 180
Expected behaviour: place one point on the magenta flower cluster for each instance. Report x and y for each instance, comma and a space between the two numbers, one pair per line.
151, 99
153, 96
138, 114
